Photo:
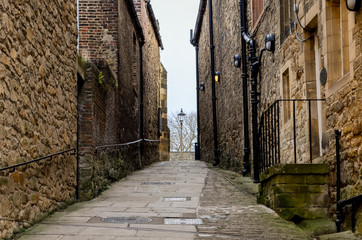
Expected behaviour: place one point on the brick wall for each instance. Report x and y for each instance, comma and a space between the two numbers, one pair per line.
152, 81
109, 100
37, 108
100, 124
98, 31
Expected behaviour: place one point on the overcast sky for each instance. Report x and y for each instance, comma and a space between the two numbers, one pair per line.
176, 18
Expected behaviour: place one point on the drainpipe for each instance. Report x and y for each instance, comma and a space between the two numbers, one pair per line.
142, 135
254, 68
243, 24
214, 115
197, 147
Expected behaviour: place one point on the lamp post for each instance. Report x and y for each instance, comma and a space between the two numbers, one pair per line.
180, 118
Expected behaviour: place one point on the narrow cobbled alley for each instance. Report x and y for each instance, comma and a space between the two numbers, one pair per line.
169, 200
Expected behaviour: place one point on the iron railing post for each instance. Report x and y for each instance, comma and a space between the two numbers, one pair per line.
310, 131
339, 212
294, 134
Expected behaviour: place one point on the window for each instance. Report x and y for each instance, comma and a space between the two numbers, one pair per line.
286, 95
286, 18
257, 8
337, 41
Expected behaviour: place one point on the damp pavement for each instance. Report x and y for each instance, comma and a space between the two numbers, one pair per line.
169, 201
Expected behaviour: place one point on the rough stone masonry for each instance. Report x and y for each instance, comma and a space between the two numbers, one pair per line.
37, 107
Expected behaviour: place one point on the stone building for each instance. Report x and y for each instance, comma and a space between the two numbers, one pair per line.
38, 107
60, 111
120, 91
154, 74
165, 138
317, 57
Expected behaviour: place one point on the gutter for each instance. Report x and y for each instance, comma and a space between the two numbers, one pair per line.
154, 23
136, 22
199, 20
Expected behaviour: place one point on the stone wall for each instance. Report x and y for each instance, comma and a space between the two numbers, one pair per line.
38, 108
109, 100
186, 156
165, 138
110, 97
293, 71
296, 191
228, 89
152, 78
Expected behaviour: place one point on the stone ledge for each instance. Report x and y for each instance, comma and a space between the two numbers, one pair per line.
294, 169
296, 191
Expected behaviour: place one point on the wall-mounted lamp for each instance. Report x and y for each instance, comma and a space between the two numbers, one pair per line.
270, 42
353, 5
217, 76
202, 86
237, 60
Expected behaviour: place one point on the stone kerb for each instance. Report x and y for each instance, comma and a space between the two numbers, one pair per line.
296, 191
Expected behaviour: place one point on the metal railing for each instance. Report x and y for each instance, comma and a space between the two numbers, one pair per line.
354, 201
12, 168
269, 132
126, 144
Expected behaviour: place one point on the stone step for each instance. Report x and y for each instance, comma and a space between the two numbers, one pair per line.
348, 235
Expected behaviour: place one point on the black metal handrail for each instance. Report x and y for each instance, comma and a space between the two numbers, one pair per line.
127, 144
49, 158
354, 201
269, 133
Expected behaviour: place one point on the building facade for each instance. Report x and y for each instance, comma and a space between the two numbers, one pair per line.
314, 72
61, 110
121, 91
38, 107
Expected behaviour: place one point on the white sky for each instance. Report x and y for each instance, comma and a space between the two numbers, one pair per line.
176, 18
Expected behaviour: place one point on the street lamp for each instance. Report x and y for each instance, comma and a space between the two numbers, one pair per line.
353, 5
180, 118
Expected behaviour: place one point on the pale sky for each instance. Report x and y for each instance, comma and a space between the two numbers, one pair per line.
176, 18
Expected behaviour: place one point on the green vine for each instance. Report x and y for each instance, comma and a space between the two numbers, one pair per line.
100, 78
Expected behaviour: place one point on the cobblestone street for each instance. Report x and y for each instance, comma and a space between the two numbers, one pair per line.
169, 200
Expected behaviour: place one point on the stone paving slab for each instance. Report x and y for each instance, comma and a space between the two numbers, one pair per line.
139, 195
232, 213
227, 212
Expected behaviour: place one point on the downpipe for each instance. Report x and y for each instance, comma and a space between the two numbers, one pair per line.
246, 160
197, 147
214, 114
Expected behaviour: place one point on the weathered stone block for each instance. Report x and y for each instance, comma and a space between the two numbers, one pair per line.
303, 213
316, 179
3, 181
290, 179
292, 200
